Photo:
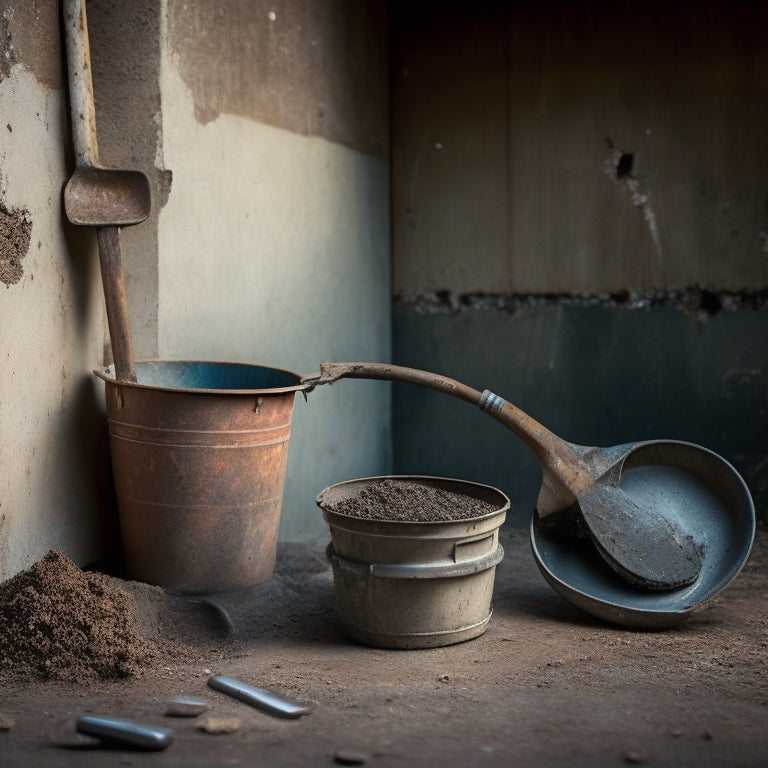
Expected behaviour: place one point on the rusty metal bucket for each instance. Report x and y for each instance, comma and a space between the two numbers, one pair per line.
199, 452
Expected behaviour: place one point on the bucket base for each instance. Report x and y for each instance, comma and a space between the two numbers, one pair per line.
413, 640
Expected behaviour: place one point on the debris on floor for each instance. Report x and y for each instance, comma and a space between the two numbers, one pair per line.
546, 685
57, 621
186, 706
219, 725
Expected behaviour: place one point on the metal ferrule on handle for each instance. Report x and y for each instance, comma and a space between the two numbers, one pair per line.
491, 403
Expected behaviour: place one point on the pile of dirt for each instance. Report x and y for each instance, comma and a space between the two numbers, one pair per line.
408, 501
59, 622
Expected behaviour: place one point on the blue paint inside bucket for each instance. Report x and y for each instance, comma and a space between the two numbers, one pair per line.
211, 376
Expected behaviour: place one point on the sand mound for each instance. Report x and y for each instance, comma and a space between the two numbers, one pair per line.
60, 622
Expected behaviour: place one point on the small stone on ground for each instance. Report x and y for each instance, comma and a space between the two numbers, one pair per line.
219, 724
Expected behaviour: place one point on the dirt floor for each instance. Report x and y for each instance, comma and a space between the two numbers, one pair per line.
545, 685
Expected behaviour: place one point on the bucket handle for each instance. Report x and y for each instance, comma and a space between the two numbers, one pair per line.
472, 549
418, 571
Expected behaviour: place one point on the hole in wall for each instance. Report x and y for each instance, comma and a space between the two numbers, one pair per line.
624, 165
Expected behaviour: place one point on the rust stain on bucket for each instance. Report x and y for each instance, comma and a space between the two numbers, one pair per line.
199, 459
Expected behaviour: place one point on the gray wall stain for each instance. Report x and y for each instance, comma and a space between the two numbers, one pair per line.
314, 67
618, 166
500, 116
15, 233
30, 36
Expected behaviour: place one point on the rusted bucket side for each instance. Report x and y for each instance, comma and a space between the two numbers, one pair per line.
199, 480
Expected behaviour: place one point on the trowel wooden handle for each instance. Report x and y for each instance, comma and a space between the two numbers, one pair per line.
564, 471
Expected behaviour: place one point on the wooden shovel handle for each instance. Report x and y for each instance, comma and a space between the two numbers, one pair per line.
117, 303
546, 445
80, 84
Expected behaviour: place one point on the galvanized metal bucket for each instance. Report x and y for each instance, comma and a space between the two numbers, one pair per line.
199, 452
414, 584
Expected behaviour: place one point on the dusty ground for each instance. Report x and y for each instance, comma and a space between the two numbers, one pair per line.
544, 686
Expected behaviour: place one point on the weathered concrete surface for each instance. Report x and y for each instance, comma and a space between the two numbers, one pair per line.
556, 147
52, 443
275, 238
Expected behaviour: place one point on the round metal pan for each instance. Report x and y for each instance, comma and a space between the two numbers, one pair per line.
698, 491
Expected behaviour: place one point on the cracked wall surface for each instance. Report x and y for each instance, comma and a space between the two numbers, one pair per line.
53, 449
695, 302
564, 147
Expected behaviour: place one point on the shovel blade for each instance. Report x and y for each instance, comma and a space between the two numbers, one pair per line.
638, 542
99, 197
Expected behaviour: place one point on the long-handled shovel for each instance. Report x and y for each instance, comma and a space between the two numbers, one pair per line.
100, 197
578, 482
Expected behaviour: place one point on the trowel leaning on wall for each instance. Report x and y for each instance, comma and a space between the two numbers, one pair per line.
100, 197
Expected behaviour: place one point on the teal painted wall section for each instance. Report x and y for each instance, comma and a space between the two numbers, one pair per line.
594, 376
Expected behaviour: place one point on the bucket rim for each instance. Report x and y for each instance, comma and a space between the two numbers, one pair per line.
107, 374
502, 509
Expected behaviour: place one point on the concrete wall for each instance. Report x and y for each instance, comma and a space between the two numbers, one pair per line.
508, 170
268, 239
275, 238
54, 478
580, 223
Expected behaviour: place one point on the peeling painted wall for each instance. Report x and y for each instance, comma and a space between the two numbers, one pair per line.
53, 485
275, 237
264, 212
15, 234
